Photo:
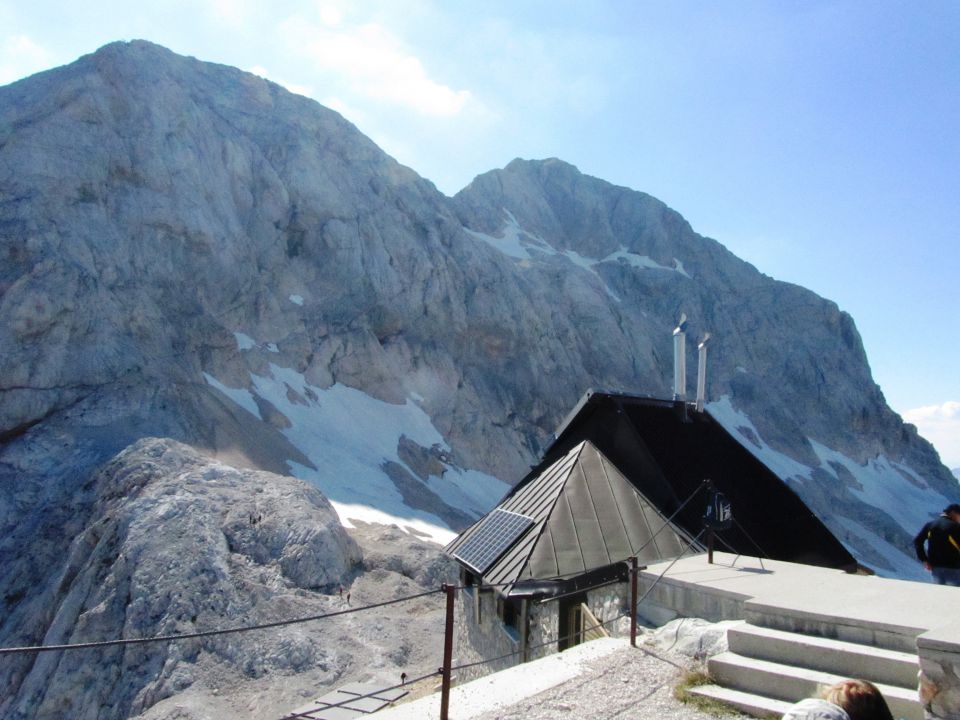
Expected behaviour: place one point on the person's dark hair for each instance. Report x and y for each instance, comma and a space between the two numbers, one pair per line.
861, 700
951, 508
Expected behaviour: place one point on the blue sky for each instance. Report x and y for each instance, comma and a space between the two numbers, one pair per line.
820, 141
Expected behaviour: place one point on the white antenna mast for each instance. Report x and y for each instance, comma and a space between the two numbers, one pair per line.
680, 359
702, 374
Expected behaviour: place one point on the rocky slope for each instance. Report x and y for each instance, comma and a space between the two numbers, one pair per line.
191, 252
173, 543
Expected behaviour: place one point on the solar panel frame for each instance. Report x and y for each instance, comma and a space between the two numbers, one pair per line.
492, 538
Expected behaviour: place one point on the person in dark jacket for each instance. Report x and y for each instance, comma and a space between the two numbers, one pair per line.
938, 546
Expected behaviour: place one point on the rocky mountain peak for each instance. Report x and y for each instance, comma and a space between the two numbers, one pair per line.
191, 252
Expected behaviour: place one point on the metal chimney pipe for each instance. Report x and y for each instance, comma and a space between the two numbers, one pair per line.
702, 374
680, 359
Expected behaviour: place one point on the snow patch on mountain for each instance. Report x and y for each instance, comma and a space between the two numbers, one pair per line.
737, 423
514, 242
520, 244
642, 262
910, 504
348, 436
240, 396
244, 342
878, 483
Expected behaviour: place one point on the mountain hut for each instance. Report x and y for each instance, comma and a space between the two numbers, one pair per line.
624, 477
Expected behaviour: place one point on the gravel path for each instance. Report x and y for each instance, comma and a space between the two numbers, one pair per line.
629, 683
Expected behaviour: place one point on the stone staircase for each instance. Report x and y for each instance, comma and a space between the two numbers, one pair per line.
767, 669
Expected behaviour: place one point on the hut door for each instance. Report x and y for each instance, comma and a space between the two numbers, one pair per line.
570, 622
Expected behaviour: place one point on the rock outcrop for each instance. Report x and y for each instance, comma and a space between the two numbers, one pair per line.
176, 543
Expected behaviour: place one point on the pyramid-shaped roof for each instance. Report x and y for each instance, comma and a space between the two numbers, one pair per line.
582, 513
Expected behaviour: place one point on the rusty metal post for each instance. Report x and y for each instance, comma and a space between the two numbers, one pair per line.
524, 630
633, 601
710, 547
447, 653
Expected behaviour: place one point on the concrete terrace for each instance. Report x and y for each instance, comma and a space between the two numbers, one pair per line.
874, 611
734, 587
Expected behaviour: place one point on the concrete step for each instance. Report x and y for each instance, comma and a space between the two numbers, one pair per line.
785, 682
756, 705
877, 665
848, 629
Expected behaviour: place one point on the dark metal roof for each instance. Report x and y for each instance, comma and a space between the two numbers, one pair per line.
601, 395
586, 515
667, 450
619, 465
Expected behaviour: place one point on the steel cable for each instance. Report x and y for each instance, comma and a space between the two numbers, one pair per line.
208, 633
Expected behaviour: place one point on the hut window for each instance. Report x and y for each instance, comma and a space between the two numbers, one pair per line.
471, 584
509, 613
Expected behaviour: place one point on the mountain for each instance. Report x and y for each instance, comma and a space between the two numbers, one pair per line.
191, 252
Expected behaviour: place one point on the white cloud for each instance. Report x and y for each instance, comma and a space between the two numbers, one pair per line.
335, 103
21, 56
331, 15
374, 62
351, 112
261, 71
940, 424
232, 12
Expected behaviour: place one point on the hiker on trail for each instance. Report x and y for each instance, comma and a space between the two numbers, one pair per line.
938, 546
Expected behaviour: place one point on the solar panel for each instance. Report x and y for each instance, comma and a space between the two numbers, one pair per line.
492, 538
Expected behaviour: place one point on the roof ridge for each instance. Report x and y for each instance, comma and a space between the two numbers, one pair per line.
576, 452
